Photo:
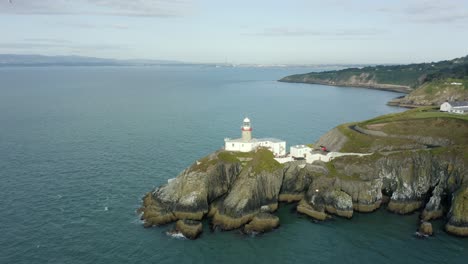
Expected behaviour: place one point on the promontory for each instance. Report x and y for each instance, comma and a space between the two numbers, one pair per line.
426, 84
410, 162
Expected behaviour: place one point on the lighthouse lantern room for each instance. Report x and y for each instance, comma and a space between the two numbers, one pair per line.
246, 130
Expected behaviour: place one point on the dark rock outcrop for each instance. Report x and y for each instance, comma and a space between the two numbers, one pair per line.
297, 177
458, 215
191, 229
262, 222
425, 229
188, 196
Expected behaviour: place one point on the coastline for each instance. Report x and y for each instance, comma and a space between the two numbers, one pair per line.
373, 86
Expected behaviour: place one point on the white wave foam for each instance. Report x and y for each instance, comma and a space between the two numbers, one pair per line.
175, 234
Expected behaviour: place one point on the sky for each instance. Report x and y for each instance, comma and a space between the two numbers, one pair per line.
239, 31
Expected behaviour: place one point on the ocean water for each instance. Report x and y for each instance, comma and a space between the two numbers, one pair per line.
80, 146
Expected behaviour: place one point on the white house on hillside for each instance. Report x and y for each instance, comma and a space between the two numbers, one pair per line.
246, 143
455, 107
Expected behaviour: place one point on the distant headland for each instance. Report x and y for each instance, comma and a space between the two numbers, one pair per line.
427, 84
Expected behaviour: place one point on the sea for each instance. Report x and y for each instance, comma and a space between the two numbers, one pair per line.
80, 146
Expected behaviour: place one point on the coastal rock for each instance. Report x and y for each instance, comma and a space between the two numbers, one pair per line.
188, 196
458, 214
262, 222
434, 209
191, 229
256, 189
320, 199
409, 182
307, 209
425, 229
297, 177
339, 203
366, 195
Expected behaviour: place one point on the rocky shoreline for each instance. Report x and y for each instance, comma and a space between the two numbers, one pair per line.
353, 83
242, 190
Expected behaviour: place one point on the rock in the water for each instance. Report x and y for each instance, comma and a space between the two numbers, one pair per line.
320, 199
425, 228
339, 203
434, 208
262, 222
307, 209
191, 229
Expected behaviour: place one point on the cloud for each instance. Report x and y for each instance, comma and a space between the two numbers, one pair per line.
430, 11
46, 40
134, 8
32, 44
298, 32
100, 26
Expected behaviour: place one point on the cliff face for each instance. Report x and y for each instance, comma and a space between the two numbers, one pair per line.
357, 79
241, 190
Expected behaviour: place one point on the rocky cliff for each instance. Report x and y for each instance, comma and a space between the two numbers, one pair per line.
348, 79
423, 171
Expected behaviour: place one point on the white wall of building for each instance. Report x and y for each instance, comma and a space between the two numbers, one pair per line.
458, 110
278, 148
246, 143
445, 107
239, 146
299, 151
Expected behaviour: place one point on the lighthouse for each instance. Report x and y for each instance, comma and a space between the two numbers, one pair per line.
246, 130
246, 143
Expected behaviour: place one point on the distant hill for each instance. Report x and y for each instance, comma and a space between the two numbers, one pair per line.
433, 76
404, 78
42, 60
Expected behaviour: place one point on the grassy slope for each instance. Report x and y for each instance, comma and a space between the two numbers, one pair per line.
260, 160
422, 122
435, 93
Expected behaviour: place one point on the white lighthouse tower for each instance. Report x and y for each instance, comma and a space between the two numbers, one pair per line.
246, 130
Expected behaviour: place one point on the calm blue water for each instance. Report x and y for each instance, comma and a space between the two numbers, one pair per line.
80, 146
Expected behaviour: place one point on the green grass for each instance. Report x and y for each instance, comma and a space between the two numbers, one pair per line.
230, 157
260, 160
264, 160
421, 122
203, 164
362, 143
417, 113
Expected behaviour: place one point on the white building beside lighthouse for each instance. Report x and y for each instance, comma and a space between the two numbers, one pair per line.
246, 143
